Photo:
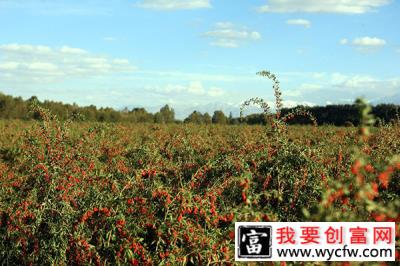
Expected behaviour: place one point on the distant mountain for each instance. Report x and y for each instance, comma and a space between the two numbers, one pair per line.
227, 108
209, 108
183, 111
394, 99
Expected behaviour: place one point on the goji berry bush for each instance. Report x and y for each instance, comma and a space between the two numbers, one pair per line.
143, 194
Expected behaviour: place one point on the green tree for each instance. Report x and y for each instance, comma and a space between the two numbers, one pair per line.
207, 119
219, 118
140, 115
159, 118
165, 115
195, 117
230, 119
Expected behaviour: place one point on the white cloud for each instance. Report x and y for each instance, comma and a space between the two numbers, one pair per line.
336, 78
305, 87
189, 76
291, 103
121, 61
369, 41
194, 88
357, 82
365, 44
255, 35
215, 92
232, 34
70, 50
226, 43
336, 87
310, 86
109, 39
224, 25
332, 86
9, 66
25, 49
42, 67
45, 64
325, 6
227, 35
57, 8
299, 22
174, 4
354, 83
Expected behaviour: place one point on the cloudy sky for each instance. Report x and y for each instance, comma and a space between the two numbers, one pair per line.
192, 53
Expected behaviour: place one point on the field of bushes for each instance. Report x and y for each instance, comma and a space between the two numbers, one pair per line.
81, 193
84, 193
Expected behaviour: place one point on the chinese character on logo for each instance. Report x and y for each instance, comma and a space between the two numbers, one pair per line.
334, 235
285, 235
310, 234
358, 235
383, 234
254, 241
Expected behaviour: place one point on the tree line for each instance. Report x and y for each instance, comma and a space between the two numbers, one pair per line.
345, 114
339, 115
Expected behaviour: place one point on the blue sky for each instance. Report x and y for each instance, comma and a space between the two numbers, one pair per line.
197, 53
